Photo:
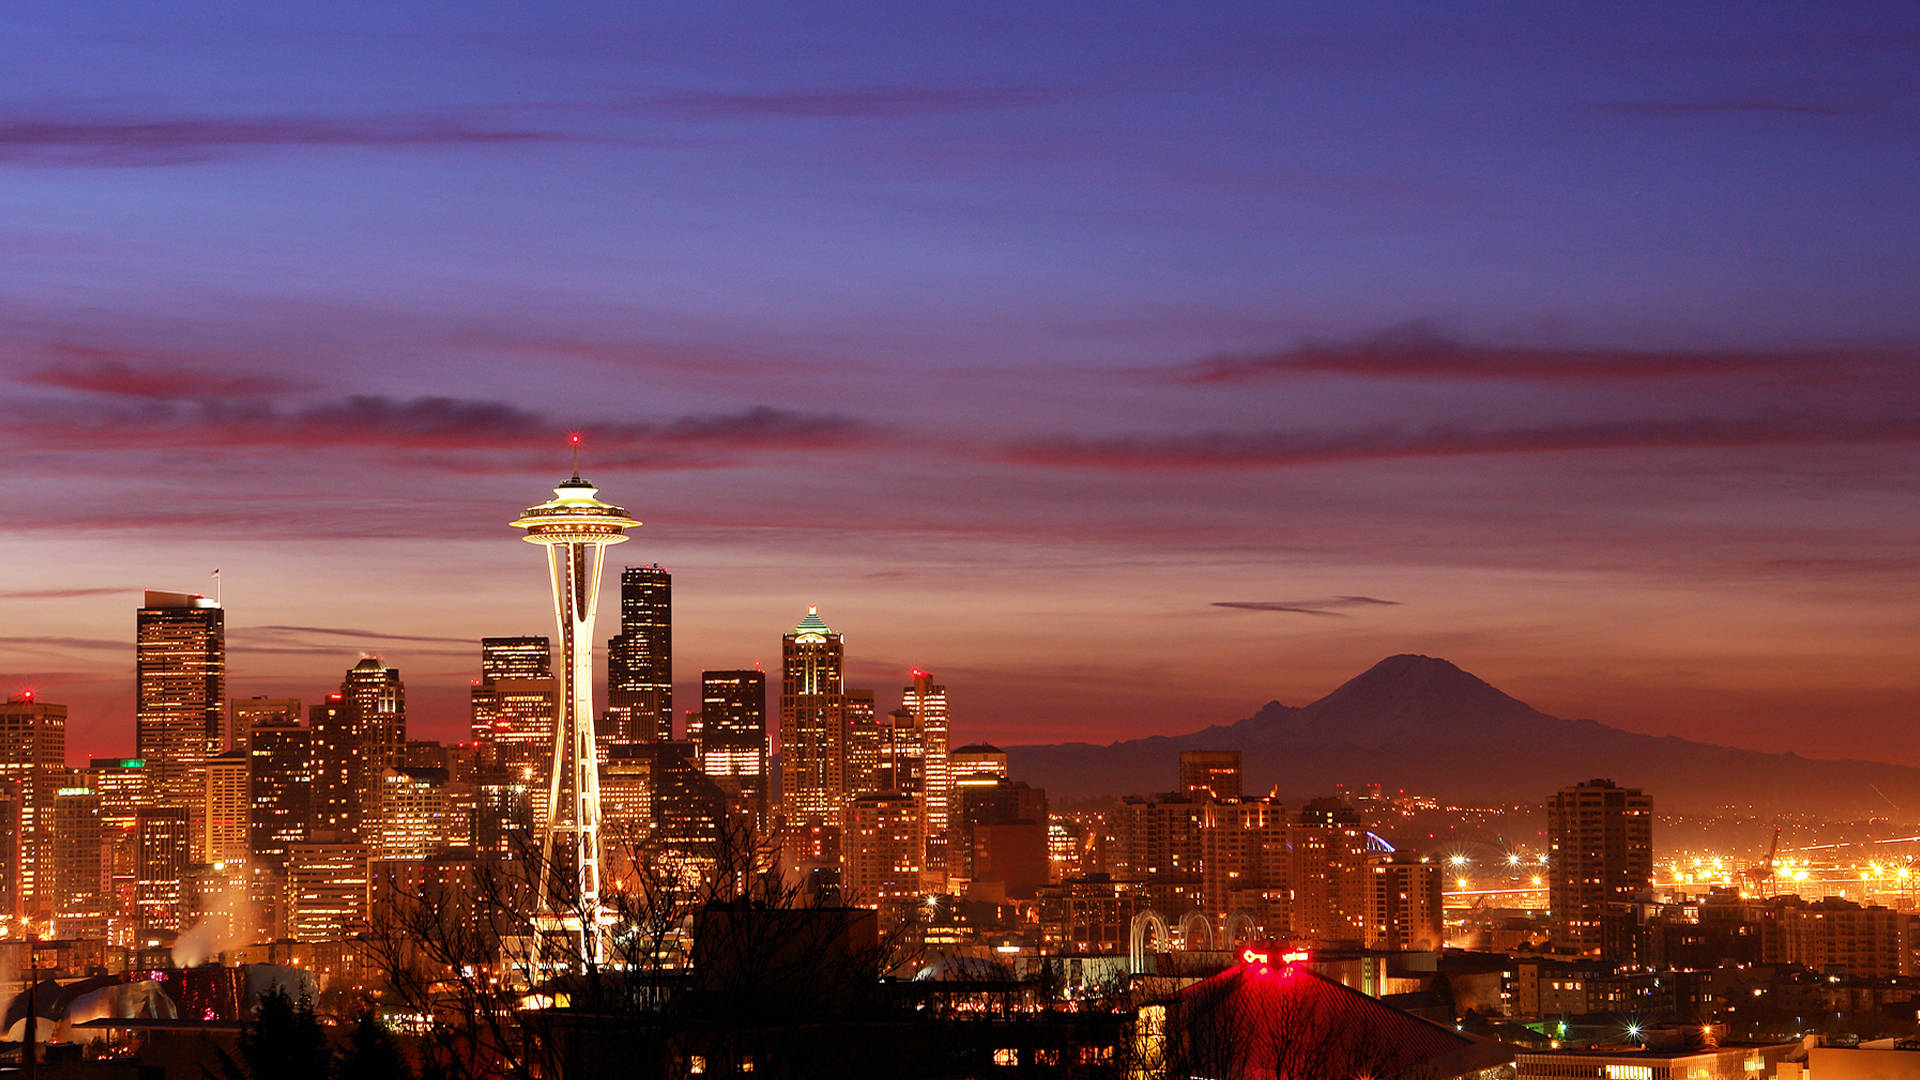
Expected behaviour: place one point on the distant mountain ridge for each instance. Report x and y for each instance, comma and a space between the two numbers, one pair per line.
1420, 723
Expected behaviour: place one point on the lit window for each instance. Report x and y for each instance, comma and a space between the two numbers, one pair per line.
1006, 1056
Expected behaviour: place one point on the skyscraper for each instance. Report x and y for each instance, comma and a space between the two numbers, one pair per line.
1210, 773
225, 814
380, 699
928, 704
33, 754
901, 762
281, 791
513, 706
77, 851
733, 737
576, 528
341, 769
244, 714
640, 659
1601, 855
121, 784
812, 725
328, 890
162, 857
881, 850
525, 657
181, 674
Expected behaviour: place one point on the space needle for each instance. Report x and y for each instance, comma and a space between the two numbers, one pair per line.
576, 528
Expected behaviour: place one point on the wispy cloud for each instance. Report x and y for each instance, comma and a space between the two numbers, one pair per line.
31, 642
1329, 608
1418, 351
365, 635
1760, 106
92, 370
63, 594
858, 101
136, 139
1235, 450
488, 434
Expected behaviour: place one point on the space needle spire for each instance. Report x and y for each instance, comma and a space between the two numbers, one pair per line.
575, 527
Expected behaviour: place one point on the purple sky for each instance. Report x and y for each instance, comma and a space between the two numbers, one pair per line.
1094, 360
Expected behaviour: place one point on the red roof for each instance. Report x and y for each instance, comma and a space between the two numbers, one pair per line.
1257, 1021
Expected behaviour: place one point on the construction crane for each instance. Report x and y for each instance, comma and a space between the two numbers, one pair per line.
1764, 872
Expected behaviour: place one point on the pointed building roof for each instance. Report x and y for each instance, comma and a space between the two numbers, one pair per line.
1257, 1020
812, 624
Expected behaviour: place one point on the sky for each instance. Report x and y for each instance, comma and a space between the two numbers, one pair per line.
1128, 366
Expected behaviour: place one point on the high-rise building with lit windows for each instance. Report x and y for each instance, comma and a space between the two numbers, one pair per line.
121, 784
342, 771
12, 850
640, 659
244, 714
226, 812
513, 705
928, 704
163, 854
280, 792
79, 864
733, 737
380, 699
1404, 906
1210, 773
1600, 857
33, 755
813, 785
528, 656
329, 890
880, 847
977, 759
901, 765
180, 669
419, 815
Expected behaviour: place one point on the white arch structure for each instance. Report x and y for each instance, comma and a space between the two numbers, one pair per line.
1188, 923
1240, 920
1137, 940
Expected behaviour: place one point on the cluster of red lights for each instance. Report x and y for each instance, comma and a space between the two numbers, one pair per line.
1253, 957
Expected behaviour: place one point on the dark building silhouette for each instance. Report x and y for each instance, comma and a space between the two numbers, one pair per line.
281, 786
640, 660
733, 737
344, 769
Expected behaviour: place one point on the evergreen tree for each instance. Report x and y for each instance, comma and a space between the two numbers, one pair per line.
372, 1053
285, 1042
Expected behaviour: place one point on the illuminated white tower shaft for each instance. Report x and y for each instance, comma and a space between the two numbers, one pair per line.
575, 527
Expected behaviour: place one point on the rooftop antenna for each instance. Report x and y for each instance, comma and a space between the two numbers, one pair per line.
575, 439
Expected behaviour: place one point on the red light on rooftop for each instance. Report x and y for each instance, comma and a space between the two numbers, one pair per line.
574, 438
336, 696
27, 696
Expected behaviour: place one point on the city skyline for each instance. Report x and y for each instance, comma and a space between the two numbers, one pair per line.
1236, 540
1596, 378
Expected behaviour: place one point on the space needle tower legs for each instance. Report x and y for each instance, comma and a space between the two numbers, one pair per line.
575, 528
